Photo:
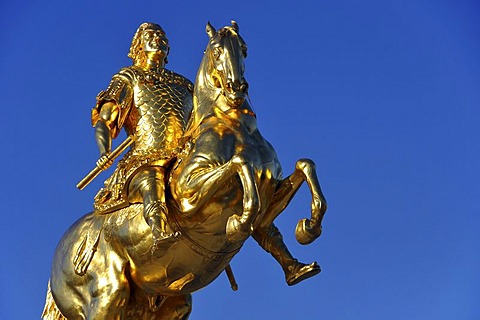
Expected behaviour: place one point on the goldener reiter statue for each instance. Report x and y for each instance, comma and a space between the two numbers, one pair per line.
197, 181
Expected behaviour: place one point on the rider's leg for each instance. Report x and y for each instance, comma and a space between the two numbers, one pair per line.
150, 184
271, 240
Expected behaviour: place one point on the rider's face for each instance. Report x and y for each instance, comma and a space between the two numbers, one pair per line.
154, 41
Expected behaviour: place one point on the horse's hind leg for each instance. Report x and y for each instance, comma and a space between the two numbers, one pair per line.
175, 308
110, 303
307, 229
110, 289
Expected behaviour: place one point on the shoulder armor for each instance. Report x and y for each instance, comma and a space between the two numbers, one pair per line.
120, 90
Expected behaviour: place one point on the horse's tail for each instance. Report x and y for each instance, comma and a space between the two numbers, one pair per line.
51, 311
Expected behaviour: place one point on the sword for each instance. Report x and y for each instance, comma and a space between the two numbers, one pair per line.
231, 277
96, 171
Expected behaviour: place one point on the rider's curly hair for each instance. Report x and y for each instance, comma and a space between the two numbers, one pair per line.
136, 51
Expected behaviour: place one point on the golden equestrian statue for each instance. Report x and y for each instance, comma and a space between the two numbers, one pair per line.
198, 180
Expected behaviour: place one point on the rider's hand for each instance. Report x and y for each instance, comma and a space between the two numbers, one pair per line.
104, 162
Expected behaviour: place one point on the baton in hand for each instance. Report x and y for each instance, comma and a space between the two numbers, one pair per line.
96, 171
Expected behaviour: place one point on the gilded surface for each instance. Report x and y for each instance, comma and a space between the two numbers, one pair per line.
156, 106
224, 185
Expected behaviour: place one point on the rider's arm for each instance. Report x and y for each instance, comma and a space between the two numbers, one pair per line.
103, 128
111, 110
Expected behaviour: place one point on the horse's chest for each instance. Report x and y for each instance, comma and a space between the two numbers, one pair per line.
249, 124
254, 149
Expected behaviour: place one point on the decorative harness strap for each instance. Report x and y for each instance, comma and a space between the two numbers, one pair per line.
195, 246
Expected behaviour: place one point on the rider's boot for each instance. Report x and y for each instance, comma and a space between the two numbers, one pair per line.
156, 216
271, 240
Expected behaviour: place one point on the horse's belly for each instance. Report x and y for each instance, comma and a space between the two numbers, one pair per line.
178, 270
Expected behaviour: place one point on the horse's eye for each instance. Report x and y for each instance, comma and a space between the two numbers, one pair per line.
216, 53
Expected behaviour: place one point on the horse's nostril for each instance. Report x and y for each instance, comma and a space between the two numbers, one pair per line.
244, 87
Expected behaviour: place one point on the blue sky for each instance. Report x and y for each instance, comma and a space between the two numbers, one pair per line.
383, 95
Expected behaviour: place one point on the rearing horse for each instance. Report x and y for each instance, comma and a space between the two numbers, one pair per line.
226, 185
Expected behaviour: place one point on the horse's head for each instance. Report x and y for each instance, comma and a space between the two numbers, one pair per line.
225, 54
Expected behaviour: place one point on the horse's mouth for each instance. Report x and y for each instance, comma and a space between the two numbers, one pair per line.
234, 94
235, 99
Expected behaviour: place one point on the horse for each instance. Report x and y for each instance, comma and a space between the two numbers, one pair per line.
225, 186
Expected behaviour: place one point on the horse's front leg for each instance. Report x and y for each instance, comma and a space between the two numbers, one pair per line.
310, 229
240, 228
307, 229
199, 180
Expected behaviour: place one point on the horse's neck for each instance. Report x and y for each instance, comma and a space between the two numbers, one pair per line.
204, 90
205, 96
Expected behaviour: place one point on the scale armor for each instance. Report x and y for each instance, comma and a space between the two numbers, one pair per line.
155, 108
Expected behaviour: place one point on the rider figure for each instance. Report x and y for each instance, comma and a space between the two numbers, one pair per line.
153, 104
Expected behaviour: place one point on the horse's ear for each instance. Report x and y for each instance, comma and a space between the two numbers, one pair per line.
210, 30
235, 26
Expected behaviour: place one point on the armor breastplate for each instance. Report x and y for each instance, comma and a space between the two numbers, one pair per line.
155, 109
162, 105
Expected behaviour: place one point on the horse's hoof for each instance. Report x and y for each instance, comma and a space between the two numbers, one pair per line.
305, 233
237, 230
300, 271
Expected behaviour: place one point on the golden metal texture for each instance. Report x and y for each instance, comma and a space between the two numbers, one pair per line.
110, 157
195, 185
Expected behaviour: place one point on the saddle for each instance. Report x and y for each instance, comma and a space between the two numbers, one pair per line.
100, 223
